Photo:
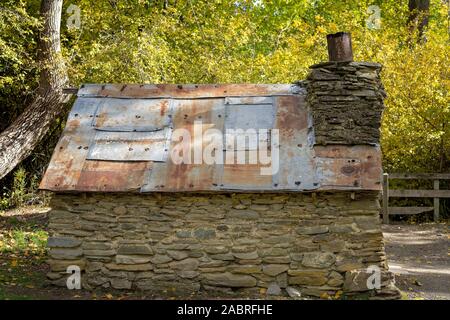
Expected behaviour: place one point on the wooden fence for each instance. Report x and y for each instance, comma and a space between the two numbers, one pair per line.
436, 193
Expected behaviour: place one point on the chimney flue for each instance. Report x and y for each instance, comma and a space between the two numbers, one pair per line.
340, 47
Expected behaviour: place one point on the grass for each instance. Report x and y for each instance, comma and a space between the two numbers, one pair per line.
17, 275
23, 241
22, 237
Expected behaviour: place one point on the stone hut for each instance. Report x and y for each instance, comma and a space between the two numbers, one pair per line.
136, 205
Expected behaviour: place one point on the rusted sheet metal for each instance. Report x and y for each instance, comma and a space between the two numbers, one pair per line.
245, 118
243, 174
63, 171
246, 140
196, 117
70, 153
251, 116
130, 146
82, 114
339, 172
170, 177
186, 91
121, 138
245, 177
113, 176
350, 167
249, 100
133, 114
297, 168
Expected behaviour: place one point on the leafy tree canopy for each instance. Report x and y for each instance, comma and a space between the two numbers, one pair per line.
260, 41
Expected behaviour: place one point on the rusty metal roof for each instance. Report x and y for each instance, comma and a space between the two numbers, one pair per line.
120, 137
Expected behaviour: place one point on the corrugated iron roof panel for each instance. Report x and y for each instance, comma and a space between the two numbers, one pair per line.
124, 138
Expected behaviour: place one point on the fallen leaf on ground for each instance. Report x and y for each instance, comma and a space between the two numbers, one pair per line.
324, 295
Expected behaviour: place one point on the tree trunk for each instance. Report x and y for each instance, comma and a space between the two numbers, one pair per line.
22, 136
419, 11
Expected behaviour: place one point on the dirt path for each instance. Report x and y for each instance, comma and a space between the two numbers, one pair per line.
418, 255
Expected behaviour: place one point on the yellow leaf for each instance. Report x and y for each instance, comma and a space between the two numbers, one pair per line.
324, 295
109, 296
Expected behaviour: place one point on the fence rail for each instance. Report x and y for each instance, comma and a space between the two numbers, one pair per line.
436, 193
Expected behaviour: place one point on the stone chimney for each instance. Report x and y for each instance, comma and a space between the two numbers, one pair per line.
345, 97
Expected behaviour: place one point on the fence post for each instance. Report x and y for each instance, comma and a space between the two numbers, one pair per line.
436, 202
386, 198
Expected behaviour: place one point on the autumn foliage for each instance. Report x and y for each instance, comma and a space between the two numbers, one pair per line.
257, 41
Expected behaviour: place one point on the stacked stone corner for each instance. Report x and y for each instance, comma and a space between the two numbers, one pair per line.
346, 102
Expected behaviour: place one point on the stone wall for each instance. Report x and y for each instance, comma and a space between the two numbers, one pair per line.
236, 244
346, 102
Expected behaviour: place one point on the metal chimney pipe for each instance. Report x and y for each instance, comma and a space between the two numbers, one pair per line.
340, 47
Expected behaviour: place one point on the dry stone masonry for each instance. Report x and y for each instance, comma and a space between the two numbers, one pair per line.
320, 241
234, 244
346, 102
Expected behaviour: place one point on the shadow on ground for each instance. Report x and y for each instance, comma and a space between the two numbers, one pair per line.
418, 255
